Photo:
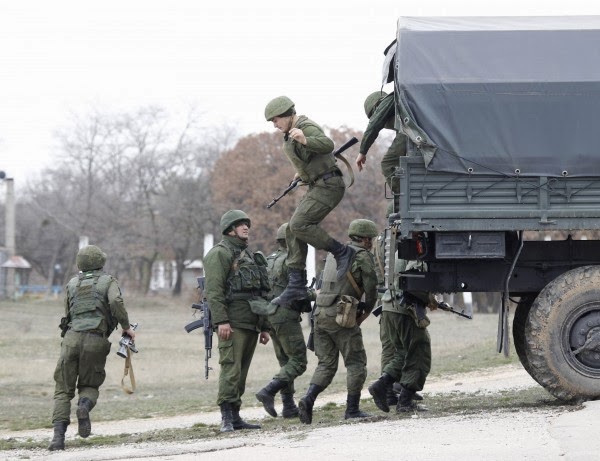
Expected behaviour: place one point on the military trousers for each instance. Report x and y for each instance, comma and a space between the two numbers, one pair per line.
289, 346
80, 366
387, 346
331, 341
303, 228
391, 161
235, 356
412, 359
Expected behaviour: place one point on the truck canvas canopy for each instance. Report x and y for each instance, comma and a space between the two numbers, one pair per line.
505, 95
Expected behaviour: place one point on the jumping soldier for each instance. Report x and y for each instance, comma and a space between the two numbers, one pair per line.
93, 308
308, 149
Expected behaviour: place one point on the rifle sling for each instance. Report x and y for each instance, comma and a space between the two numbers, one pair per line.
126, 371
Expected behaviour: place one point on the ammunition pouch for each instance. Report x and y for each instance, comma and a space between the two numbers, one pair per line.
261, 306
346, 311
64, 326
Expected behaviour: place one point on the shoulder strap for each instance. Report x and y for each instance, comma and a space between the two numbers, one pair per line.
354, 285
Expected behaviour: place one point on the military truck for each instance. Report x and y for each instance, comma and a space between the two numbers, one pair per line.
502, 116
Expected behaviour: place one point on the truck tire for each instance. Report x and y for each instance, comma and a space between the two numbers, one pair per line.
518, 329
565, 314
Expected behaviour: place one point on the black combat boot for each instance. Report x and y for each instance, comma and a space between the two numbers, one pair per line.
290, 410
295, 289
379, 390
343, 255
237, 421
58, 441
391, 397
306, 403
398, 388
352, 407
226, 417
84, 407
266, 395
406, 402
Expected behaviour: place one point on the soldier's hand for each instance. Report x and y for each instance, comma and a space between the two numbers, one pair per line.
264, 337
224, 331
297, 135
130, 332
360, 161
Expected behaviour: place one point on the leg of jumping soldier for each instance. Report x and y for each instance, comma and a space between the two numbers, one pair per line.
303, 227
391, 161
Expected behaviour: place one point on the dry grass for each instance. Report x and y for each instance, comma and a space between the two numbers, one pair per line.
169, 368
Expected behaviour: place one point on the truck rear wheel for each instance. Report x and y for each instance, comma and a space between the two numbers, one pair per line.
562, 335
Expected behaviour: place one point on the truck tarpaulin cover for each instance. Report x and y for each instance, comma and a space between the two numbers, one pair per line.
507, 95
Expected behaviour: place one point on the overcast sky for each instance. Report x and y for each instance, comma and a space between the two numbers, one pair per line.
228, 58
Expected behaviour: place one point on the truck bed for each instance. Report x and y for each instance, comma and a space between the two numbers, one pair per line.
443, 201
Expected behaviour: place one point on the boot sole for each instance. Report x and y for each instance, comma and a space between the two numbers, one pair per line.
84, 424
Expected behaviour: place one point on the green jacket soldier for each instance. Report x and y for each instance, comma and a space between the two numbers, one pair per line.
404, 324
380, 110
93, 308
337, 322
309, 151
236, 286
287, 336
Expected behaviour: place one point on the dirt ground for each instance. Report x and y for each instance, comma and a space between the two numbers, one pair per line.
549, 434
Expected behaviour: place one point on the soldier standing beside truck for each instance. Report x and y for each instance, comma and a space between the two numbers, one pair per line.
337, 322
236, 286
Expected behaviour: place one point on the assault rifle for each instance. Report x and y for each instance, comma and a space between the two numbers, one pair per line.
446, 307
205, 321
310, 342
336, 153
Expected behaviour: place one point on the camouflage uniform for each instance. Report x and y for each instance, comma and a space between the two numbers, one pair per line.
411, 362
93, 308
235, 278
331, 339
383, 118
288, 341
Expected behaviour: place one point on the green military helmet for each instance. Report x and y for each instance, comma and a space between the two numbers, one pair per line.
90, 258
281, 231
278, 106
231, 217
362, 228
373, 101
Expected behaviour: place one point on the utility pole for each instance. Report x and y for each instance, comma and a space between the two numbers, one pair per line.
10, 235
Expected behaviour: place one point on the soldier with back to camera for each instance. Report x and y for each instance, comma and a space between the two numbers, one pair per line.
93, 308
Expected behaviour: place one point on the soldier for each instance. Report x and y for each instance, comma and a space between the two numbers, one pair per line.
380, 110
93, 308
337, 328
308, 149
236, 286
287, 336
404, 323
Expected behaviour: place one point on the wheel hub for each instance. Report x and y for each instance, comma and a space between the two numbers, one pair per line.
584, 340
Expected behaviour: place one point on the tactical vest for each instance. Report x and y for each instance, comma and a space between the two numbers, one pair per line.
88, 304
248, 276
312, 168
331, 287
278, 274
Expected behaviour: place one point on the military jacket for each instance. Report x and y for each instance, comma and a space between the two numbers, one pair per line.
315, 159
278, 271
362, 271
93, 302
233, 277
